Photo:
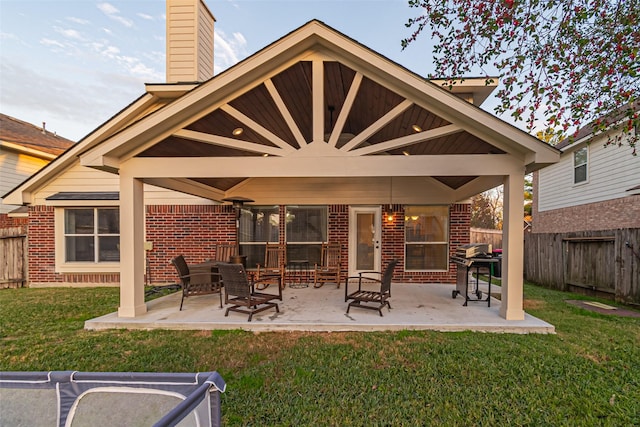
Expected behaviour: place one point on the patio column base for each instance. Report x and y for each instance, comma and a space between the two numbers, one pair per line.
511, 314
132, 311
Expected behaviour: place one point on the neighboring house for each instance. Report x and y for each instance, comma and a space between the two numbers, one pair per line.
24, 150
323, 135
586, 219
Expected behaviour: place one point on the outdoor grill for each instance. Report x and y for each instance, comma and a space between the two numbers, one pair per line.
468, 257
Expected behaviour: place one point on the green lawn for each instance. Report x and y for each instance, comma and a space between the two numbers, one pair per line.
586, 374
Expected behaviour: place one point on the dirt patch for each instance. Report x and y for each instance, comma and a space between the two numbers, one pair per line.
602, 308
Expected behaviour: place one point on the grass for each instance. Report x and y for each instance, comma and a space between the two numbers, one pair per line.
586, 374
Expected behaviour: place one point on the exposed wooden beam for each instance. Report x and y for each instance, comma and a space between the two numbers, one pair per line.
346, 109
257, 127
317, 92
246, 167
224, 141
377, 125
406, 140
286, 114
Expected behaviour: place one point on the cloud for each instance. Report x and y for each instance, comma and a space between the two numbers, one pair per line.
69, 33
228, 51
113, 13
8, 36
71, 107
78, 20
51, 43
145, 16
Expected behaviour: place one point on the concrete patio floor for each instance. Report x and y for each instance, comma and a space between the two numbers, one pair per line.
414, 307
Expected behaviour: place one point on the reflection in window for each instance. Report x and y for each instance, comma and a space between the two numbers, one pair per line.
426, 237
258, 225
306, 230
580, 165
92, 235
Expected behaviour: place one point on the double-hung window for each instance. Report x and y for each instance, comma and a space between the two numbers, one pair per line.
307, 229
91, 235
426, 238
580, 163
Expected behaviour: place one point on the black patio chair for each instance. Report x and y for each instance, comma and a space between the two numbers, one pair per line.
378, 292
240, 291
202, 279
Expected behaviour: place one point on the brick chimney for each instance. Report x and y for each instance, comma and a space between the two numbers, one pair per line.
189, 41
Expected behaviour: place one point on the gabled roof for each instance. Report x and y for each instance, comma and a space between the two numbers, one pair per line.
21, 136
585, 133
313, 97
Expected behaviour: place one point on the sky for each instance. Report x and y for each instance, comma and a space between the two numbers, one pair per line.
75, 63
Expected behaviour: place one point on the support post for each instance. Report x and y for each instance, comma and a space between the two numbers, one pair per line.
513, 248
132, 255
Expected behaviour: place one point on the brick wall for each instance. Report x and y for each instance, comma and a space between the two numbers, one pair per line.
607, 215
194, 230
42, 246
189, 230
393, 244
13, 222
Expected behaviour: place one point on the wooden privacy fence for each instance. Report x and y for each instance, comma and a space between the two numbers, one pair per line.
603, 263
13, 257
484, 235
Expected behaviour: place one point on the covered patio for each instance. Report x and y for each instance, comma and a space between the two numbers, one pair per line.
318, 119
414, 307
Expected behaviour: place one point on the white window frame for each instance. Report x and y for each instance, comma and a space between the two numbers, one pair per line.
585, 164
61, 265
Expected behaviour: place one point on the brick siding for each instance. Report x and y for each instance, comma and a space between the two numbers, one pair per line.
13, 222
194, 230
607, 215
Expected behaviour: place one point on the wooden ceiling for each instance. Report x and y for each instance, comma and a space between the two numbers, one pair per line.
294, 87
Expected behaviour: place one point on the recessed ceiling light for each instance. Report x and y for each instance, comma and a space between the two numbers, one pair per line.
416, 128
265, 155
237, 131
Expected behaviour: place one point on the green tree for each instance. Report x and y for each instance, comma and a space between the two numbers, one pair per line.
567, 62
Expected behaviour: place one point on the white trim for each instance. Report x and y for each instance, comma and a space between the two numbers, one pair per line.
353, 244
61, 266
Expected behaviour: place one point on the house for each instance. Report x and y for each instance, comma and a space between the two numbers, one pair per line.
24, 149
586, 219
320, 132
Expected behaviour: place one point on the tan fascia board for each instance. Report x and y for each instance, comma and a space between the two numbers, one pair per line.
21, 149
22, 194
169, 90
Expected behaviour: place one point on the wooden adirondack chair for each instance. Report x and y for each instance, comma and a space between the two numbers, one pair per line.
330, 269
